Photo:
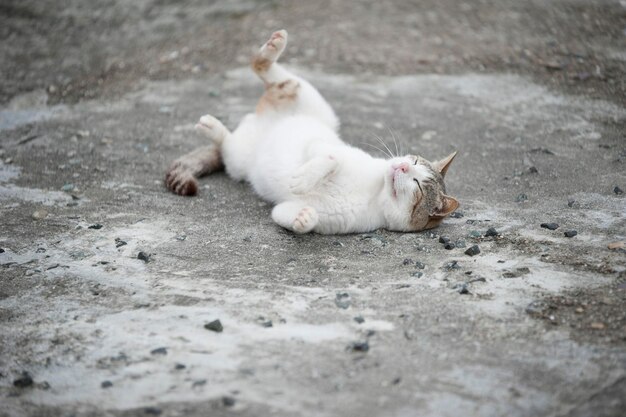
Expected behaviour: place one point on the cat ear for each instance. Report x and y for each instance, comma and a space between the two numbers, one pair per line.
449, 205
443, 165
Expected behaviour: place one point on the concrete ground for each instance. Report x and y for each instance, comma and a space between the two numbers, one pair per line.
98, 97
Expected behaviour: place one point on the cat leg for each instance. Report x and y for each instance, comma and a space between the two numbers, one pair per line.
181, 177
295, 216
312, 173
284, 90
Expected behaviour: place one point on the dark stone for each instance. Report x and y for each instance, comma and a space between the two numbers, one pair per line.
419, 265
473, 250
449, 266
1, 250
459, 243
462, 288
153, 411
521, 198
407, 261
24, 381
228, 401
550, 226
618, 191
449, 246
215, 326
159, 351
491, 232
143, 256
570, 233
396, 381
119, 242
359, 319
106, 384
198, 383
538, 308
179, 366
456, 215
342, 300
95, 226
359, 347
444, 239
267, 323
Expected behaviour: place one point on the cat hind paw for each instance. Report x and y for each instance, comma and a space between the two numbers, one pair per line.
180, 181
305, 221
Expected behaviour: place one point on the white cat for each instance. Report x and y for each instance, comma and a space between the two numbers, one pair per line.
289, 151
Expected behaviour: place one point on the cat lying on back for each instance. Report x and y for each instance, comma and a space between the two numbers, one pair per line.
289, 151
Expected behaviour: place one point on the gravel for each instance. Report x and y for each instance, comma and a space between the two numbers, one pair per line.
570, 233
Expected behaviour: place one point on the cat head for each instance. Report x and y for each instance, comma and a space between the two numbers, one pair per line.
414, 193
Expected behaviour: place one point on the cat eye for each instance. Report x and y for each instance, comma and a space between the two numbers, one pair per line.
418, 185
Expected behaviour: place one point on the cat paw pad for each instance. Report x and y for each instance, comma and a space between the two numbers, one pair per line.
305, 220
274, 46
180, 181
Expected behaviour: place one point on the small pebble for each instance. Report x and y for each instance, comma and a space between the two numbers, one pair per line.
143, 256
106, 384
462, 288
570, 233
451, 265
179, 366
342, 300
215, 326
474, 234
267, 323
456, 215
360, 347
228, 401
444, 239
407, 261
153, 411
40, 214
550, 226
119, 242
24, 381
67, 187
459, 243
359, 319
96, 226
597, 325
449, 246
420, 265
417, 274
472, 250
618, 191
159, 351
491, 232
521, 198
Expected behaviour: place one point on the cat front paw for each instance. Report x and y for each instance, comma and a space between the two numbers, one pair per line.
301, 183
211, 128
305, 221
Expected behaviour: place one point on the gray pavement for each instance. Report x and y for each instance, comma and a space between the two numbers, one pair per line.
376, 324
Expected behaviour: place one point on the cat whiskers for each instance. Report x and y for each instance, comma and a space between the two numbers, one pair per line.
393, 136
377, 148
382, 142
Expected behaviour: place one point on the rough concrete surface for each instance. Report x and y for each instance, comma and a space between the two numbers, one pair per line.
98, 97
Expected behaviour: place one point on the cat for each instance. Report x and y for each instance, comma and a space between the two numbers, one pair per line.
291, 154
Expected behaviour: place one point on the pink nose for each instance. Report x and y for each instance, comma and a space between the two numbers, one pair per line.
404, 166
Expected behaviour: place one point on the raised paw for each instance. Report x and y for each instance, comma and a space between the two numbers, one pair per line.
301, 183
305, 221
179, 180
270, 52
212, 128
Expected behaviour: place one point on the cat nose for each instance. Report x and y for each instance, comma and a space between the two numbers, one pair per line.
404, 166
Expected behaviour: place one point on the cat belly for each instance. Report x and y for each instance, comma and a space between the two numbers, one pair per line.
282, 151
